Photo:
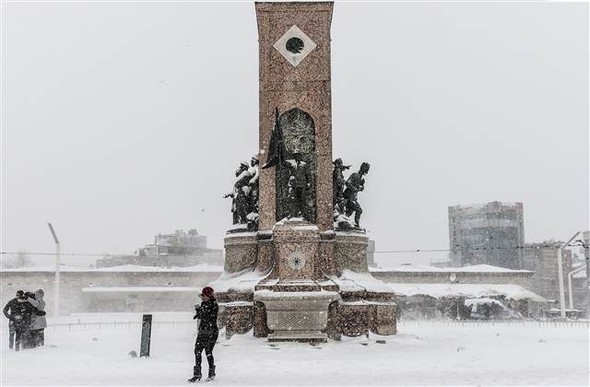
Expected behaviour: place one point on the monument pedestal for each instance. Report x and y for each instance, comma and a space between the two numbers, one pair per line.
296, 305
296, 246
299, 299
299, 316
241, 251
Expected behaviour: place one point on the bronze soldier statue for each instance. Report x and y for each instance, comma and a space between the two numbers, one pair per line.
354, 185
253, 183
240, 202
299, 184
338, 183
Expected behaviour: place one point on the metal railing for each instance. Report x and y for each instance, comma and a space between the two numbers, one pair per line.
88, 326
509, 323
190, 325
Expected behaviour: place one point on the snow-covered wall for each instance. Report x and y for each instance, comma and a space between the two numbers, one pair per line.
72, 283
467, 275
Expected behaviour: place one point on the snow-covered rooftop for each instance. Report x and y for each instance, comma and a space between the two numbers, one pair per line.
482, 205
464, 269
514, 292
240, 282
141, 289
351, 281
204, 267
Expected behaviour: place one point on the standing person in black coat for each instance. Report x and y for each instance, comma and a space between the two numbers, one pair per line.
19, 312
208, 333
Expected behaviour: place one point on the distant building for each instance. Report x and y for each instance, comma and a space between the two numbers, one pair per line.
542, 259
122, 289
168, 250
491, 234
179, 243
431, 292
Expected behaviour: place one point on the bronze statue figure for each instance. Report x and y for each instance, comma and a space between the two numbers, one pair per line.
299, 185
354, 185
240, 203
338, 183
253, 183
244, 196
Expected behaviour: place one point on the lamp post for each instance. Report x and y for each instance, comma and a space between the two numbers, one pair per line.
560, 274
57, 252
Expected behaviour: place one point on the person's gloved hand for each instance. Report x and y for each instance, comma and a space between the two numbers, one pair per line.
198, 311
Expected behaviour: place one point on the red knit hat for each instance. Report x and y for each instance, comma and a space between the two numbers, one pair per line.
208, 291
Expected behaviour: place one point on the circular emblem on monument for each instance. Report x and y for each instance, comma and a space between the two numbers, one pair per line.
296, 260
294, 45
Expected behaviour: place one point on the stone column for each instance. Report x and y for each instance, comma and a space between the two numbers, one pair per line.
296, 81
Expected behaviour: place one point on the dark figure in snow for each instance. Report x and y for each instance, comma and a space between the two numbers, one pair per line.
299, 184
338, 184
354, 185
19, 312
208, 333
36, 329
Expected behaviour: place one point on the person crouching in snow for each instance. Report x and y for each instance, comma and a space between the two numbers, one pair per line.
208, 332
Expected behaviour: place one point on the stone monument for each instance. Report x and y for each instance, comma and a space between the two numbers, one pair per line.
296, 265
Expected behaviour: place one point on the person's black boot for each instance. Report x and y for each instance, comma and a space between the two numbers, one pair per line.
196, 375
211, 374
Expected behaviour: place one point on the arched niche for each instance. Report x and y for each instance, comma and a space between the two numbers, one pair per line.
298, 132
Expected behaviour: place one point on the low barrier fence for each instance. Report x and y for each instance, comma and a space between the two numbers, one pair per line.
89, 326
514, 323
189, 325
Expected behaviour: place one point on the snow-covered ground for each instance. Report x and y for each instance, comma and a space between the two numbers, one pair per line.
96, 353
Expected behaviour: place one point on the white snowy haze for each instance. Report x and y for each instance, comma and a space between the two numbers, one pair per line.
124, 120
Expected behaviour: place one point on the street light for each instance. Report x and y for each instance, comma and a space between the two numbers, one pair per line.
56, 295
560, 274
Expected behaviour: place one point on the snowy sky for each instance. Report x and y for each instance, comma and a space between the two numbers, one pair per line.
124, 120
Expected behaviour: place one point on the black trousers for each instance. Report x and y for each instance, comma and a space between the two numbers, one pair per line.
20, 338
11, 334
205, 342
36, 338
